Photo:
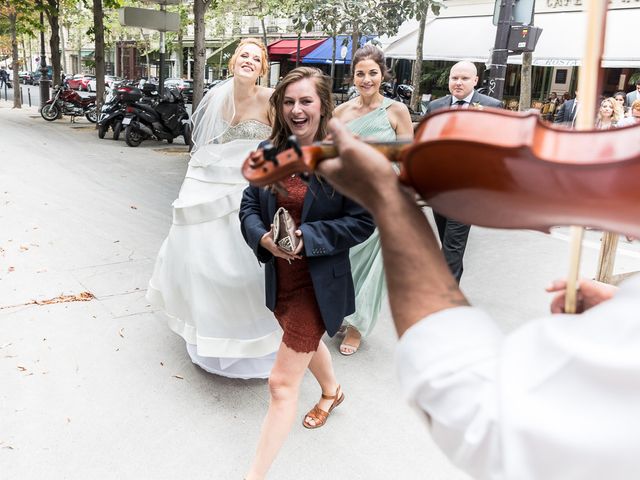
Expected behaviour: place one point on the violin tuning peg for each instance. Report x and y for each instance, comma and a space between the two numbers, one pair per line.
305, 177
270, 153
292, 142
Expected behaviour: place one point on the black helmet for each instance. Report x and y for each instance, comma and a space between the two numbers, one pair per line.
405, 91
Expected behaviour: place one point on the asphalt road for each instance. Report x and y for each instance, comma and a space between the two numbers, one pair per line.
102, 389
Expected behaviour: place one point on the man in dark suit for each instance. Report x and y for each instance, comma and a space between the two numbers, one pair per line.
634, 95
567, 112
463, 77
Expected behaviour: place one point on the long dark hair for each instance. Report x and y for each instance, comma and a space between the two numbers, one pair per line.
280, 131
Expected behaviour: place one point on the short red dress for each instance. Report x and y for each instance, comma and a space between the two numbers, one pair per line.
297, 309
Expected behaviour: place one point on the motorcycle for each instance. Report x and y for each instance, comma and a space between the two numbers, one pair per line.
166, 120
68, 102
115, 107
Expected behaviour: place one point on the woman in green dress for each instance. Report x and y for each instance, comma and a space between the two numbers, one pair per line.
371, 116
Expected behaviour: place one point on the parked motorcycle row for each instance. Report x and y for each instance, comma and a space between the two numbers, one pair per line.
141, 113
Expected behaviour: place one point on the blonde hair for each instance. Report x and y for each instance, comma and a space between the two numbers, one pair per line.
263, 53
635, 105
617, 112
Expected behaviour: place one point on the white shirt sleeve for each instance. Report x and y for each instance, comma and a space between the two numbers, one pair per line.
447, 365
556, 399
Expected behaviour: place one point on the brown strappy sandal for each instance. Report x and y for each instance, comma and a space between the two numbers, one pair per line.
318, 415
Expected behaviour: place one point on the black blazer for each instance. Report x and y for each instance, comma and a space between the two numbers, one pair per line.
445, 102
566, 113
331, 224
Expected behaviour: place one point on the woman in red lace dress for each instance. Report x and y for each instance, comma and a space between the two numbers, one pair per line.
310, 290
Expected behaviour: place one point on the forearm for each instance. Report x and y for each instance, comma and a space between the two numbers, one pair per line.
418, 279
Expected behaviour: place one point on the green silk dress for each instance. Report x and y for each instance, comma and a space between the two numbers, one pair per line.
366, 258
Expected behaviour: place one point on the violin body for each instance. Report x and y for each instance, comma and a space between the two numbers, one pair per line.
503, 169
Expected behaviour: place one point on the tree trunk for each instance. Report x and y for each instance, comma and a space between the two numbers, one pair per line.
180, 54
30, 55
355, 44
267, 77
525, 82
333, 61
53, 12
13, 18
63, 50
298, 49
416, 75
98, 23
199, 50
24, 53
79, 51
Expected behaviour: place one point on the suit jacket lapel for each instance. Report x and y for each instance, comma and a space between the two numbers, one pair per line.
271, 204
475, 98
309, 197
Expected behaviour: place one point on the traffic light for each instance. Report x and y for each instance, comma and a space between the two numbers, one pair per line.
523, 38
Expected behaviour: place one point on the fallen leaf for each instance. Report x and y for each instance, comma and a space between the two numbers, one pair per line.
8, 447
94, 316
116, 241
79, 297
133, 207
44, 373
68, 420
42, 270
5, 345
11, 269
21, 368
179, 377
162, 364
117, 349
10, 356
121, 332
34, 244
23, 248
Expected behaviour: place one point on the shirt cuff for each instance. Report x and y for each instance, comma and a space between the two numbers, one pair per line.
443, 343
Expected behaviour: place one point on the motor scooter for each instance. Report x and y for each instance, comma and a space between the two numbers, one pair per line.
115, 107
165, 120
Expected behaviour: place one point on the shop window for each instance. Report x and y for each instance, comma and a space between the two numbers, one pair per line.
561, 76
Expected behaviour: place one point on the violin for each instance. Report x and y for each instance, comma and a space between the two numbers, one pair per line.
501, 169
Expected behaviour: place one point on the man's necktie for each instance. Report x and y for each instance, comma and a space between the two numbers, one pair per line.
459, 104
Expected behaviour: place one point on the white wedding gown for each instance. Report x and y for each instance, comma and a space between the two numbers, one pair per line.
206, 278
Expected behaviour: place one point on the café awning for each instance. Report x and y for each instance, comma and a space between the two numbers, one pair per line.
282, 49
323, 53
561, 42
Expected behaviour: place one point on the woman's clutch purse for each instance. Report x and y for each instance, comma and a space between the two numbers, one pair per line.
284, 230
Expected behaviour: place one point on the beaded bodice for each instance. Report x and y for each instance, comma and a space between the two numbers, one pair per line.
246, 130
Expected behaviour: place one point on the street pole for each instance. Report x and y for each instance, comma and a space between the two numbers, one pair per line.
161, 76
498, 67
44, 80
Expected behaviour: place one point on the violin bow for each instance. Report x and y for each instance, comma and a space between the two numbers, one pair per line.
589, 83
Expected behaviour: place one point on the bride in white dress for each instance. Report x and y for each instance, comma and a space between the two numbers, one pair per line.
205, 278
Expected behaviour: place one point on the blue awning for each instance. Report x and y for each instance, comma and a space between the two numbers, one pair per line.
322, 54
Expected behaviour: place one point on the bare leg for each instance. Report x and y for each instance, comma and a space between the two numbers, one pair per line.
284, 385
351, 341
322, 368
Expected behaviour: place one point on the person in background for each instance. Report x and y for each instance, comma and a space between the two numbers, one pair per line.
620, 98
609, 115
374, 117
204, 278
309, 289
634, 94
453, 235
